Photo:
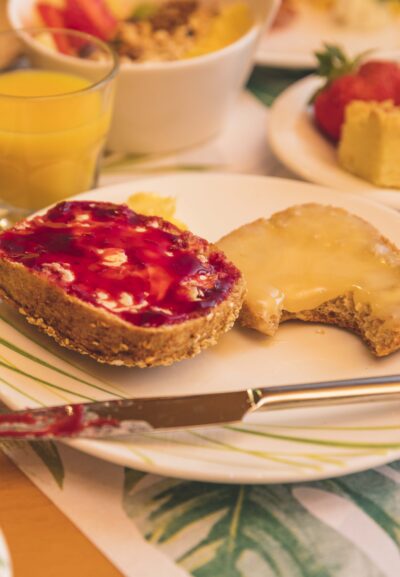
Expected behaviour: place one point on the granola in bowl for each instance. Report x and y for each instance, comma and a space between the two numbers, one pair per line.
170, 33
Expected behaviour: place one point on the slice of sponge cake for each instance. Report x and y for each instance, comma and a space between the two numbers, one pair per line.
370, 142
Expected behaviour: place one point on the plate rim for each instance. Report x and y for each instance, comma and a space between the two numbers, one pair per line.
251, 478
283, 60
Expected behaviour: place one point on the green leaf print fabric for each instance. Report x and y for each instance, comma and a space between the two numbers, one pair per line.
256, 531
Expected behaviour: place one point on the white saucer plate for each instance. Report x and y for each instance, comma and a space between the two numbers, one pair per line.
296, 141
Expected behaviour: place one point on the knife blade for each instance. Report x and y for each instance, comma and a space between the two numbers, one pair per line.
129, 416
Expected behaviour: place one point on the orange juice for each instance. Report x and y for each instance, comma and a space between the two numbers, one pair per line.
52, 130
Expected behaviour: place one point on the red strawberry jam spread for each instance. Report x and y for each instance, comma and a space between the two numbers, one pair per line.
140, 268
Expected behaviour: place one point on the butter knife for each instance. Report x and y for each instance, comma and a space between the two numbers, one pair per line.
116, 418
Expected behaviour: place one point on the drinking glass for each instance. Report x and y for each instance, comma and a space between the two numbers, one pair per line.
56, 97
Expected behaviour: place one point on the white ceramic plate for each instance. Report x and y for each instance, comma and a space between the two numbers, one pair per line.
294, 46
275, 447
300, 146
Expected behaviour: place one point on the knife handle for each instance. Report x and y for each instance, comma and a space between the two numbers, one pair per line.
325, 393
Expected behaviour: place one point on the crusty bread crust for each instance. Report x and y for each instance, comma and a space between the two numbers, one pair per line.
266, 325
105, 337
342, 312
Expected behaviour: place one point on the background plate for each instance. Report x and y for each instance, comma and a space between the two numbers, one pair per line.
294, 45
303, 149
277, 447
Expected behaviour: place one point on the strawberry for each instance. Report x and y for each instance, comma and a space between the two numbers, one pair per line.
374, 68
53, 17
385, 76
348, 80
91, 16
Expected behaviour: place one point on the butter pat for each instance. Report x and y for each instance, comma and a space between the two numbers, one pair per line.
151, 204
370, 142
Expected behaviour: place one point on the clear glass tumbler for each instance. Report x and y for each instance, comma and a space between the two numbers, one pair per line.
56, 97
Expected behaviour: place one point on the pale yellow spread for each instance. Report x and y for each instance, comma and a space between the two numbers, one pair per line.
310, 254
370, 142
151, 204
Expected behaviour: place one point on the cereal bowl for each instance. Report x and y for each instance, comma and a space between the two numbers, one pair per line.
165, 106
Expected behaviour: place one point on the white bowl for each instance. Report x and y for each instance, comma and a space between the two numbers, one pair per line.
162, 107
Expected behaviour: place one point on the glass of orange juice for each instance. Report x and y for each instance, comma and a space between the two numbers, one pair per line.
56, 97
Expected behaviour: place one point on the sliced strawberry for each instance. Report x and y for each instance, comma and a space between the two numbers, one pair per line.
91, 16
53, 17
77, 20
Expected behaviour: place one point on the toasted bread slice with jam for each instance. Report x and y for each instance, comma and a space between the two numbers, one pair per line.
124, 288
320, 264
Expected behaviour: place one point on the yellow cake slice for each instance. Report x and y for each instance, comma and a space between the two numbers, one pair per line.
370, 142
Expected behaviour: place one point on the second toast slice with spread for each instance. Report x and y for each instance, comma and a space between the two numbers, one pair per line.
321, 264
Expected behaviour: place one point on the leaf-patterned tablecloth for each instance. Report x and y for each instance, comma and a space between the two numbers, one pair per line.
149, 525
